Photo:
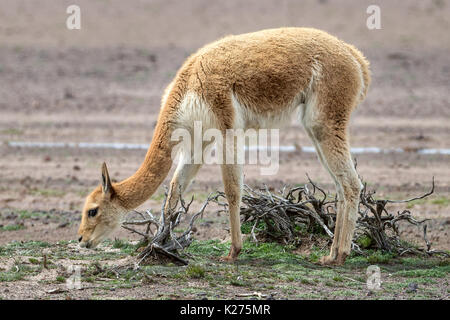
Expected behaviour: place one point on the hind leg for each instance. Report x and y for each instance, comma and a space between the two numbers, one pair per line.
232, 177
349, 187
333, 149
340, 195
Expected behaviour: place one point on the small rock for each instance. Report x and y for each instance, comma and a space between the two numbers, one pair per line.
55, 291
11, 216
68, 94
412, 287
63, 224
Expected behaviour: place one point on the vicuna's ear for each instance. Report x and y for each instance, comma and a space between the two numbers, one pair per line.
106, 181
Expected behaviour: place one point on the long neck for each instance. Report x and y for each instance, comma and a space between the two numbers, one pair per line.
138, 188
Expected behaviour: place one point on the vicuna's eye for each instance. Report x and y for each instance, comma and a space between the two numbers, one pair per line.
92, 212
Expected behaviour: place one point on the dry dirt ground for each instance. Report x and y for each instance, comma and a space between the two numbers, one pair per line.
103, 83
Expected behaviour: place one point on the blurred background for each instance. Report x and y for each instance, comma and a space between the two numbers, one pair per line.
104, 83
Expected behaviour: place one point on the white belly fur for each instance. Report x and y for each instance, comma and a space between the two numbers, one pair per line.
193, 108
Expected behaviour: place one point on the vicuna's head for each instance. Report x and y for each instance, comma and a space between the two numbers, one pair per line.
101, 214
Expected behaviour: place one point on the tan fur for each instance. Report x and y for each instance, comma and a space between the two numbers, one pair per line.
256, 80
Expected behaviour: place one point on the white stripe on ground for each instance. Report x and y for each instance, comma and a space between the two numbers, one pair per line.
121, 146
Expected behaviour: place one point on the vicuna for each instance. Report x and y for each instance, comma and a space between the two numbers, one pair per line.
255, 80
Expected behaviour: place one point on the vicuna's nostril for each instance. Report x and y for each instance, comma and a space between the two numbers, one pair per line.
79, 239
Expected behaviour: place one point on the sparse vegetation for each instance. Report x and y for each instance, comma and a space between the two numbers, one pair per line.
267, 268
12, 227
195, 271
107, 87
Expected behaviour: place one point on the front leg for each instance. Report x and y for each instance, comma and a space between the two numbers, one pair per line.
232, 179
182, 177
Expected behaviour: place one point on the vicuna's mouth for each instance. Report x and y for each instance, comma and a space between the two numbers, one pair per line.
88, 244
95, 239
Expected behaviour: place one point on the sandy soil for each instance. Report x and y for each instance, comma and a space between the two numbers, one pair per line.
104, 83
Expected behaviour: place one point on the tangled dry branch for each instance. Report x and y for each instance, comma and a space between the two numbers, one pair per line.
165, 242
310, 207
279, 216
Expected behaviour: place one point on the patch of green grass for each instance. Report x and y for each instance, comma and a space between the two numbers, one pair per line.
261, 267
316, 254
125, 246
195, 271
306, 281
269, 251
338, 278
34, 261
440, 201
120, 244
11, 276
25, 214
12, 131
419, 262
18, 272
436, 272
380, 257
309, 296
47, 192
27, 248
238, 282
12, 227
208, 248
364, 241
25, 245
411, 204
345, 293
329, 283
425, 280
246, 227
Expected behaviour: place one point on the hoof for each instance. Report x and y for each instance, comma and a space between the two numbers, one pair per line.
333, 261
232, 256
328, 261
228, 259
